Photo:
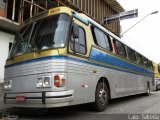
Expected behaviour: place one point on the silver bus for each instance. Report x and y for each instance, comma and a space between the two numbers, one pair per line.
62, 58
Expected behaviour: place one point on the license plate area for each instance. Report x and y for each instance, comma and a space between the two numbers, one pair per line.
20, 98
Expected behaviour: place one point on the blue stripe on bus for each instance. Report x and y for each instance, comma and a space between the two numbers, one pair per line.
99, 57
117, 68
107, 59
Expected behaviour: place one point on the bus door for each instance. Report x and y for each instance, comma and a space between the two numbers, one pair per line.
77, 40
79, 67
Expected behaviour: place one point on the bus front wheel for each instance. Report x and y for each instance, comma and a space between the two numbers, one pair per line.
101, 97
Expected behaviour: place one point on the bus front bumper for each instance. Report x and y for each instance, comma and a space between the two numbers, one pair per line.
39, 99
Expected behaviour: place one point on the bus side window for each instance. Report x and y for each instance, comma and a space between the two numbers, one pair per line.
108, 42
115, 47
101, 39
146, 63
78, 40
150, 65
120, 48
131, 54
139, 59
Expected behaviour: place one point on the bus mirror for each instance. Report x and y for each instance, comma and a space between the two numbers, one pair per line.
75, 29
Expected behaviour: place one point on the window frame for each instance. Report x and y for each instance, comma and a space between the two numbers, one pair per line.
116, 47
129, 58
150, 65
109, 41
137, 54
104, 35
146, 64
85, 40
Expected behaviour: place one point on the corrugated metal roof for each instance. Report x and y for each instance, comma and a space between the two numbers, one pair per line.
115, 5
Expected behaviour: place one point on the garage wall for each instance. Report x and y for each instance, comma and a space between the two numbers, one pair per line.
5, 38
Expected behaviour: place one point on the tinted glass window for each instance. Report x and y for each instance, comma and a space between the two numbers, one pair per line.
101, 39
131, 54
120, 49
108, 42
150, 65
146, 63
139, 59
78, 45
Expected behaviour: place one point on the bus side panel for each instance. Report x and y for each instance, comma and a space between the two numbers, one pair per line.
81, 80
124, 78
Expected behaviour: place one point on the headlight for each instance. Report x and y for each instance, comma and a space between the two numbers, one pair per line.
7, 85
45, 81
39, 82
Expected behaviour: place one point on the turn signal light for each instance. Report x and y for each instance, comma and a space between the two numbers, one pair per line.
59, 81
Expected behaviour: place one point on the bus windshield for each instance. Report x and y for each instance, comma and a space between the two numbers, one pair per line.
47, 33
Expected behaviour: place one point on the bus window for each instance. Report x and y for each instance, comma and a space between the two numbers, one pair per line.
150, 65
131, 54
115, 47
139, 59
78, 44
146, 64
121, 49
101, 39
108, 42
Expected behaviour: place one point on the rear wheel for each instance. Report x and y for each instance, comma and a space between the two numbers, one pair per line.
156, 88
101, 97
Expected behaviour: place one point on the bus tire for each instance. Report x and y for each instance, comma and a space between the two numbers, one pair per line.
156, 88
148, 90
101, 97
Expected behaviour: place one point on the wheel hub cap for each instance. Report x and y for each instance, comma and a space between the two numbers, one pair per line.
102, 96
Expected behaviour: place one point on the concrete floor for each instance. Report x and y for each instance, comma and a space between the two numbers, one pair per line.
118, 108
